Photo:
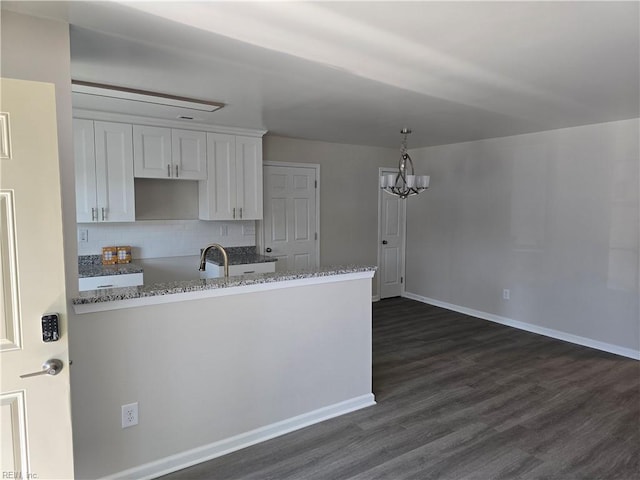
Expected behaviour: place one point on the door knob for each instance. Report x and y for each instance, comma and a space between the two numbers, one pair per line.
268, 250
50, 367
384, 242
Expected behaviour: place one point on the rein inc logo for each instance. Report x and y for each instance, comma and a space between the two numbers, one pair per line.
20, 475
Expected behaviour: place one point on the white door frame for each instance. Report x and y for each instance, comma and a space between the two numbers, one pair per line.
316, 167
403, 230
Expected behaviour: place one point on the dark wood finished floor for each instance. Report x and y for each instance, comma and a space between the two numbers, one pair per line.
463, 398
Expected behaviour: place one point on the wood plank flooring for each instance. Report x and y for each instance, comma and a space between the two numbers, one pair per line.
463, 398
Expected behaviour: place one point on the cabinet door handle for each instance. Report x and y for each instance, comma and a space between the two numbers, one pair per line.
94, 214
103, 215
177, 171
234, 212
168, 170
240, 212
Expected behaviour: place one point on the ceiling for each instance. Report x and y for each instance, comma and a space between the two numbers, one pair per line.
357, 72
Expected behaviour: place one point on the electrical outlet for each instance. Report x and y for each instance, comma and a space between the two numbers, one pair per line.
129, 415
83, 235
506, 294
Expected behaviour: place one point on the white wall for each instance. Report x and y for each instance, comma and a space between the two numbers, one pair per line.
348, 194
552, 216
38, 49
204, 371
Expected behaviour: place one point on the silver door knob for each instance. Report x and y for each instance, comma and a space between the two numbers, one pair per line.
50, 367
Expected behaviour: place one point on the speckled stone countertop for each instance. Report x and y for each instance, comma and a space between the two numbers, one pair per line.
91, 266
127, 293
238, 256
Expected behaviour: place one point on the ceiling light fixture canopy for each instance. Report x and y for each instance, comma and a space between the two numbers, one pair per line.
405, 183
144, 96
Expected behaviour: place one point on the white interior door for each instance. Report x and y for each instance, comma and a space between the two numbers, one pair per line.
35, 432
290, 216
391, 237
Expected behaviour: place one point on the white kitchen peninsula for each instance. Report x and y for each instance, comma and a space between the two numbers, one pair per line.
215, 365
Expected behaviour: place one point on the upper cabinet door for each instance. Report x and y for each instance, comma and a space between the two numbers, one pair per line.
233, 190
152, 152
84, 151
189, 154
218, 193
114, 172
249, 178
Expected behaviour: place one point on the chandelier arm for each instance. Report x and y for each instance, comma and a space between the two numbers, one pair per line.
398, 177
402, 169
410, 164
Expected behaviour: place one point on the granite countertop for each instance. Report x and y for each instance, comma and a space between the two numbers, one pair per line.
238, 256
91, 266
127, 293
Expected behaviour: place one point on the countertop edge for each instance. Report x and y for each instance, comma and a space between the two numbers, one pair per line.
100, 305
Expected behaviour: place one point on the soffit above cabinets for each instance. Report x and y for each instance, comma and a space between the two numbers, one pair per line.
159, 120
137, 96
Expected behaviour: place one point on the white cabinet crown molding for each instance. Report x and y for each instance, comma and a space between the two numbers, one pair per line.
159, 122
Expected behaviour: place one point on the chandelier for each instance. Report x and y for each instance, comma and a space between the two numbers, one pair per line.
405, 183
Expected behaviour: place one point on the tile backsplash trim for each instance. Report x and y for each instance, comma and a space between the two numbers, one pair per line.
166, 238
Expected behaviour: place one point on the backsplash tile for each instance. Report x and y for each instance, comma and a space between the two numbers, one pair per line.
166, 238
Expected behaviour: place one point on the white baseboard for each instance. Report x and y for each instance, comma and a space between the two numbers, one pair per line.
529, 327
213, 450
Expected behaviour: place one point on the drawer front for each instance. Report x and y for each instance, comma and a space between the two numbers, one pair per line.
248, 268
110, 281
217, 271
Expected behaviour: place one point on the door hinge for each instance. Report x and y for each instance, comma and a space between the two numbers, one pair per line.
315, 184
316, 236
401, 279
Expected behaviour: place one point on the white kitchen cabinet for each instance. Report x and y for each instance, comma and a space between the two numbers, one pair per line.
189, 154
169, 153
233, 189
151, 152
104, 171
110, 281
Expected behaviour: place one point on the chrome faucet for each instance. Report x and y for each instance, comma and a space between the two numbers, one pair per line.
225, 258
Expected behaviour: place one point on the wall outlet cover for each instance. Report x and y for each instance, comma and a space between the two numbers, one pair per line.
129, 415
